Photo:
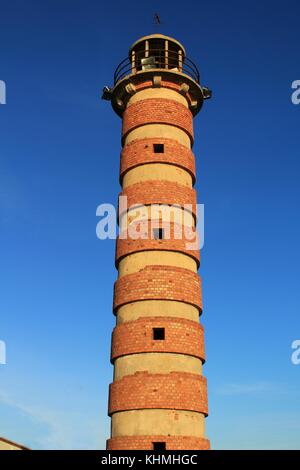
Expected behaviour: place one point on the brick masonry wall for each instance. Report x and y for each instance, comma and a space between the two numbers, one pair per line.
157, 111
144, 390
161, 192
159, 283
175, 391
164, 84
181, 336
146, 443
177, 238
140, 152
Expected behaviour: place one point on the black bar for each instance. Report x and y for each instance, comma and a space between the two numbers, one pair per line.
136, 459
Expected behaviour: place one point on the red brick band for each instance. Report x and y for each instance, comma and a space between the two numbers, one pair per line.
161, 192
141, 152
159, 283
139, 237
181, 336
157, 111
146, 442
173, 391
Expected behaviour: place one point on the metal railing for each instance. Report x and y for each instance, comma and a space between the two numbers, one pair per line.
156, 59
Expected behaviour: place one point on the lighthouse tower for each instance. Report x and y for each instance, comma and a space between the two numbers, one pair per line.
158, 398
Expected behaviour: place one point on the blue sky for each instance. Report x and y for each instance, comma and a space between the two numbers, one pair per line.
59, 159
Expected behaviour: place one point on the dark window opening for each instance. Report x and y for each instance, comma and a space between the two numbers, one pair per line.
158, 233
159, 446
158, 148
158, 333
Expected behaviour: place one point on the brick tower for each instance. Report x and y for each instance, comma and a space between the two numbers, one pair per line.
158, 398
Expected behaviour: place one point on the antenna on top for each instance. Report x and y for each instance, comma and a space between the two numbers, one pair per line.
157, 20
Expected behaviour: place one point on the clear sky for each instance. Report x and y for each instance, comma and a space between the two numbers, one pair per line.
59, 159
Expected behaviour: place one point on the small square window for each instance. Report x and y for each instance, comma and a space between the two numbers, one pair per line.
158, 333
158, 148
158, 233
159, 446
